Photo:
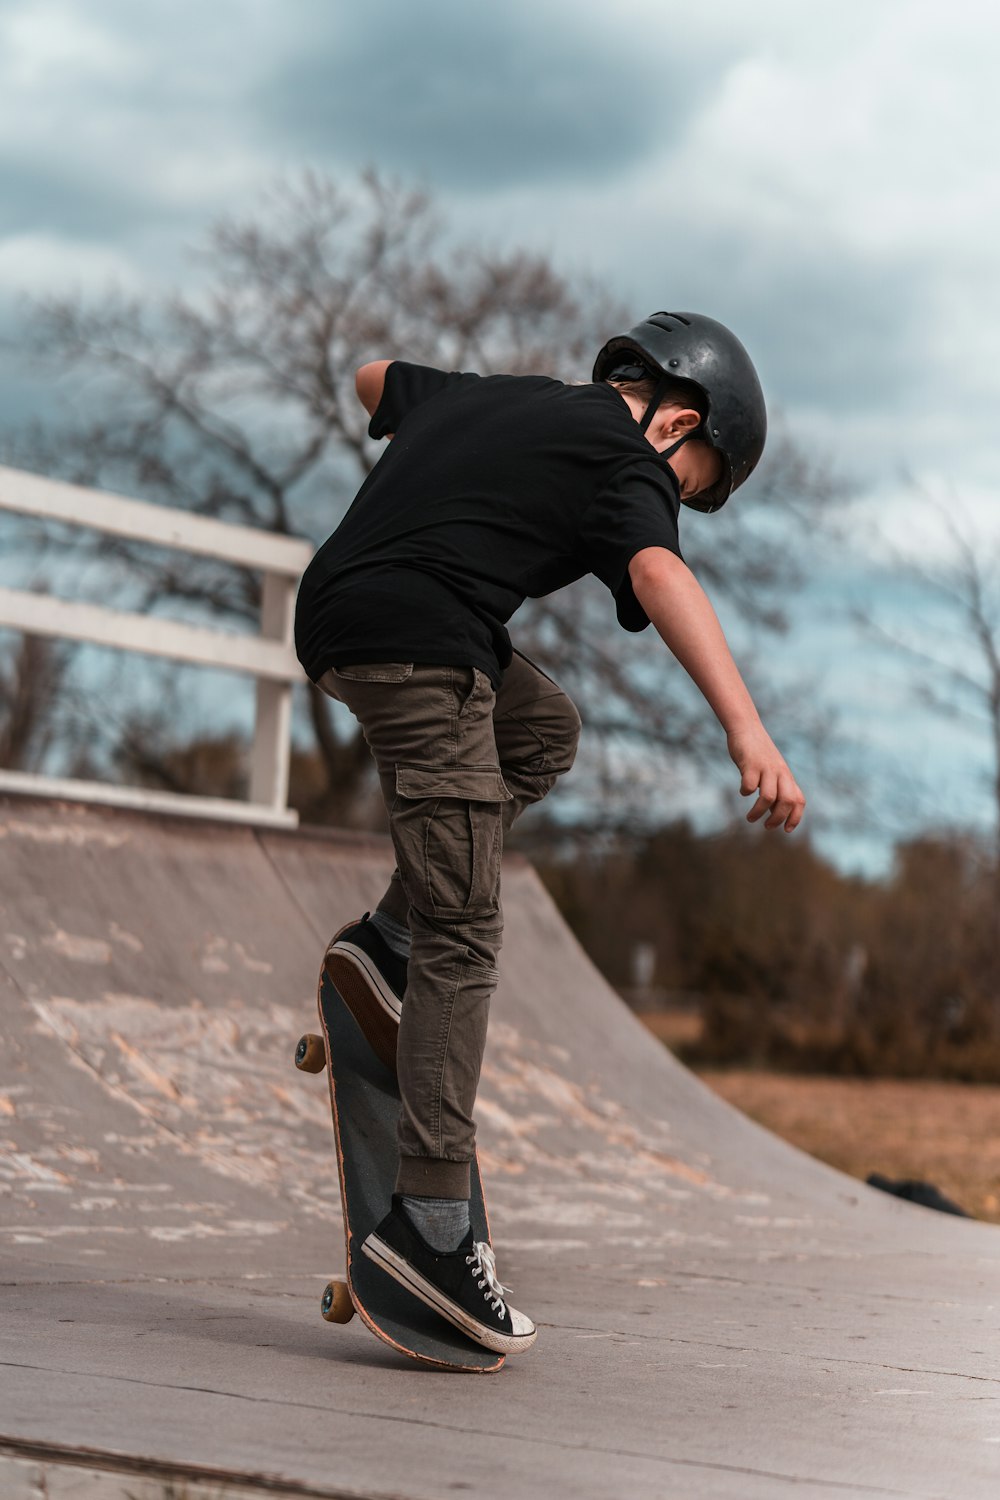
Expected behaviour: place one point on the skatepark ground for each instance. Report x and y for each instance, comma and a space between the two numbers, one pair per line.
720, 1315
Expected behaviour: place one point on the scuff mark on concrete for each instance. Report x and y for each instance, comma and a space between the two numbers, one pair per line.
21, 1167
84, 950
17, 946
126, 939
39, 1234
528, 1102
236, 1228
215, 1081
145, 1070
75, 834
220, 954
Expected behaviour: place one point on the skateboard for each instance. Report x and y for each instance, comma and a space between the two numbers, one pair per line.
364, 1098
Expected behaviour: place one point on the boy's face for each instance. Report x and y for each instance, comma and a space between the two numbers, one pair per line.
697, 467
696, 464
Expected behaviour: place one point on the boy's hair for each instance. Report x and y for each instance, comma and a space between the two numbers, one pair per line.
678, 392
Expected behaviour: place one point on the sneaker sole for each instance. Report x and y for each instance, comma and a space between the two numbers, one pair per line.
501, 1343
367, 996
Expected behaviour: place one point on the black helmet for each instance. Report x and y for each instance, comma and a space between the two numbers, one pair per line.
689, 346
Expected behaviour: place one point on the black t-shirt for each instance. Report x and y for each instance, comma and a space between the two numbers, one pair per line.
494, 489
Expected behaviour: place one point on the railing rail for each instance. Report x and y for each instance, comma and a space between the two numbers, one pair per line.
269, 656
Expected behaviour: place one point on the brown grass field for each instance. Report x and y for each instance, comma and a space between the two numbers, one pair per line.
947, 1134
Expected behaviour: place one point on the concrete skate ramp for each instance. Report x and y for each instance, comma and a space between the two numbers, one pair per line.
720, 1314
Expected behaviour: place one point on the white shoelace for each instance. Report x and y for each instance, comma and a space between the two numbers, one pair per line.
485, 1264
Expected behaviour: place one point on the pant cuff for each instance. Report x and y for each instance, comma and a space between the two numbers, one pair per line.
429, 1177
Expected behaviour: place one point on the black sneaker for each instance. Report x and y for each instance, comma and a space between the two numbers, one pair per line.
461, 1285
372, 980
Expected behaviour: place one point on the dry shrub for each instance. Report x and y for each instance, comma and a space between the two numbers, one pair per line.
796, 966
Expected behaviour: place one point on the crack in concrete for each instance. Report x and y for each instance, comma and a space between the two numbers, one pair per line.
834, 1485
797, 1289
102, 1461
637, 1335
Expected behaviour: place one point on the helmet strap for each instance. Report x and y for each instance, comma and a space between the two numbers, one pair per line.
679, 444
654, 402
662, 386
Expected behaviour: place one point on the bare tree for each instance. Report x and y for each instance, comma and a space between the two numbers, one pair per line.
31, 678
237, 402
959, 667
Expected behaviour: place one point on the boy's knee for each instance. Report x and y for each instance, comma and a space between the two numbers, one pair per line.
540, 744
562, 738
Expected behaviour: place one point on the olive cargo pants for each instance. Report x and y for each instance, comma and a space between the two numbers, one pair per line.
457, 763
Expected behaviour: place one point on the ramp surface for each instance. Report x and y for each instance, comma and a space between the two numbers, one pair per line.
720, 1315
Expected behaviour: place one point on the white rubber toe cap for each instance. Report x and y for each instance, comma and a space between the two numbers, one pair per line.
522, 1328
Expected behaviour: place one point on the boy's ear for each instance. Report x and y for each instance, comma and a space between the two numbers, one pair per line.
676, 420
686, 420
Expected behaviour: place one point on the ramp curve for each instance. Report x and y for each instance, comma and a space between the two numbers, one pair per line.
720, 1314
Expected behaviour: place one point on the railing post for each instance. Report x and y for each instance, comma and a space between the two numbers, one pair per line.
269, 657
273, 726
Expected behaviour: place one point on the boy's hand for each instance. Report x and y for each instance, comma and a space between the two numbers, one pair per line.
764, 771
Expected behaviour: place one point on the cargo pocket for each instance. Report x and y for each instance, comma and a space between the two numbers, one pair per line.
376, 671
448, 833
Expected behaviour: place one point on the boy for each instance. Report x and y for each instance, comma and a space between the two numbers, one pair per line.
493, 490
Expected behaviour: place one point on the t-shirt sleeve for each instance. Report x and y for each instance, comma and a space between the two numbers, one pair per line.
405, 387
637, 508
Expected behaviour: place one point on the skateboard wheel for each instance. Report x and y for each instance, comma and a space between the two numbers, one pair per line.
337, 1306
310, 1054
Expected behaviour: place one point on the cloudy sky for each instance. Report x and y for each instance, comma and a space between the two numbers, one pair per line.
822, 177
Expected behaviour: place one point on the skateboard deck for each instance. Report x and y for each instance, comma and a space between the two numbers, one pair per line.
364, 1098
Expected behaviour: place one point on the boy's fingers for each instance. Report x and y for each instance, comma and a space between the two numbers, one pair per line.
779, 812
780, 798
796, 816
798, 808
764, 783
789, 807
784, 801
760, 807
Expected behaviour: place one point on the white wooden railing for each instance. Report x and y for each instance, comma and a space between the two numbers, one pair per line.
269, 657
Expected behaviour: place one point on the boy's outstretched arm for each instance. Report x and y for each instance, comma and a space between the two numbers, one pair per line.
679, 608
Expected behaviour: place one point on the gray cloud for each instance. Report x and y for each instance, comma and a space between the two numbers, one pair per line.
831, 327
720, 175
477, 98
53, 197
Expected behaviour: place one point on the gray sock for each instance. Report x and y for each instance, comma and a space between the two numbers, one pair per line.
443, 1222
396, 936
